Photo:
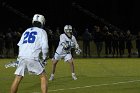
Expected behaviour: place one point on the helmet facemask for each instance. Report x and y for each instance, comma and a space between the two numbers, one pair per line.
68, 30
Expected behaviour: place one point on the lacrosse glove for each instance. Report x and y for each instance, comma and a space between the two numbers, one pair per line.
78, 51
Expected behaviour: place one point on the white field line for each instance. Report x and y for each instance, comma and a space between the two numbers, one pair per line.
115, 83
98, 85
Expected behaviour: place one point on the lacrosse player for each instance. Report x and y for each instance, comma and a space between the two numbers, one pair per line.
66, 43
33, 42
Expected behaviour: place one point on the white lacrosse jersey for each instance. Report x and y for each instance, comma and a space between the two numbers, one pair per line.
33, 41
65, 39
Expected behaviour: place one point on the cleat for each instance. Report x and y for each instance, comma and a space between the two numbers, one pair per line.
74, 77
51, 78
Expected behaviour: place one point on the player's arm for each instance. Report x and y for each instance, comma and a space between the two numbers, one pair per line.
77, 49
45, 47
63, 42
21, 39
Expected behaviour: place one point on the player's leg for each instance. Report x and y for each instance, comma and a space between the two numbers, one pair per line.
54, 63
44, 82
15, 84
68, 58
37, 68
19, 75
72, 69
71, 65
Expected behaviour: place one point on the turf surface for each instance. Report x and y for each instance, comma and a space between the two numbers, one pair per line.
95, 75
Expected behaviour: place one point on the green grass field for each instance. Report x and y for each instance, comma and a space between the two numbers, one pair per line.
96, 75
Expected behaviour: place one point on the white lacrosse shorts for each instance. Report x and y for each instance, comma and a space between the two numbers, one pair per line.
29, 65
60, 56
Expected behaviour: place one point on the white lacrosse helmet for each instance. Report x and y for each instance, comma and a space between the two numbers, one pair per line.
39, 18
68, 29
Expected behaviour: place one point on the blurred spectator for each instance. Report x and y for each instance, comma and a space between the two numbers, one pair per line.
1, 45
56, 38
74, 32
138, 43
16, 35
98, 38
86, 43
51, 42
121, 44
129, 38
108, 43
115, 43
105, 29
9, 43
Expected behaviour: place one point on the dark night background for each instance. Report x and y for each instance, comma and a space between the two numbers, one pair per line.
123, 14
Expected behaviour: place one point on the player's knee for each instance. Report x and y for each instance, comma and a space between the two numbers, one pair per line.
54, 61
70, 60
43, 75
